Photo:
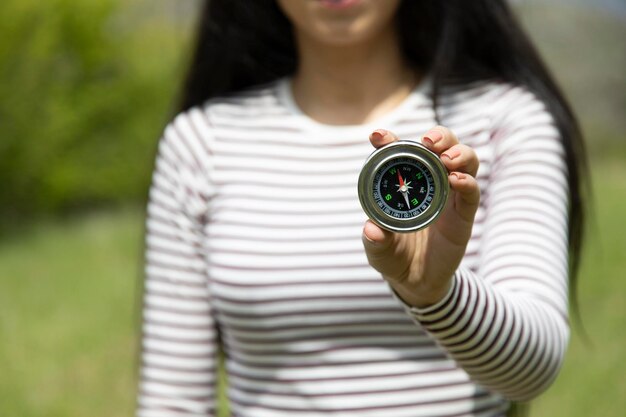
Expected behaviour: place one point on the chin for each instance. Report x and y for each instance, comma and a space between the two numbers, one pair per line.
344, 35
340, 22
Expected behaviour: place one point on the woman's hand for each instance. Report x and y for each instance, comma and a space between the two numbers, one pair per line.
420, 265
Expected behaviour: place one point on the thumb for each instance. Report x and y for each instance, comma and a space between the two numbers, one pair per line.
387, 252
377, 243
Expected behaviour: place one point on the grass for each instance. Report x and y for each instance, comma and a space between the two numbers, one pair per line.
68, 310
67, 294
592, 380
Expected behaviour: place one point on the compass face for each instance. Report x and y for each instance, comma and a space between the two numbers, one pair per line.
403, 186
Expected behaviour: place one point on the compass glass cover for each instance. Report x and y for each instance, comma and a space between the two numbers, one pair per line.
403, 188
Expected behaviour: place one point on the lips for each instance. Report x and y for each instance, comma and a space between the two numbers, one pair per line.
338, 4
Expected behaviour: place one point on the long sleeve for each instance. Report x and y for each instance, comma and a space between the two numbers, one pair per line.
179, 342
505, 321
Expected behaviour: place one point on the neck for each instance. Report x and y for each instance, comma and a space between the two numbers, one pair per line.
351, 85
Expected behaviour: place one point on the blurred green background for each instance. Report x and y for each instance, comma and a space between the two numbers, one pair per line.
86, 87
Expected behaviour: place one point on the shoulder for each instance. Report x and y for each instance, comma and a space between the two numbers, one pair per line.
517, 123
194, 133
239, 110
495, 99
249, 103
257, 101
500, 108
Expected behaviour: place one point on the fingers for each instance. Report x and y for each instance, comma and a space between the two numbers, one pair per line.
455, 156
461, 162
439, 138
382, 137
460, 158
466, 196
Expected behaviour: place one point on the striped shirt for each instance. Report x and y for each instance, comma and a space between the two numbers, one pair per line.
254, 247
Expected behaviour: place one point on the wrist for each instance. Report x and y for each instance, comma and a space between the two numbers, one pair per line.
421, 297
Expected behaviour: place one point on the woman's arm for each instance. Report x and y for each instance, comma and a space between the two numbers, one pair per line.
506, 324
179, 342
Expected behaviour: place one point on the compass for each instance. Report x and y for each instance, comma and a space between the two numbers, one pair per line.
403, 186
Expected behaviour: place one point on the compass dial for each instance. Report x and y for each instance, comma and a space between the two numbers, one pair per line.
403, 186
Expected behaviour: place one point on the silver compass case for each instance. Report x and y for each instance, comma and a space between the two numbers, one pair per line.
371, 198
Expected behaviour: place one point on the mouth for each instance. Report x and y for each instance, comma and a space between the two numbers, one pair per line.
338, 4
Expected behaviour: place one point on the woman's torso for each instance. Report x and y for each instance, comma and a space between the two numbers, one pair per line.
308, 327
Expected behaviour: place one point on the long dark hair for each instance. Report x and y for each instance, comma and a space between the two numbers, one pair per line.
242, 43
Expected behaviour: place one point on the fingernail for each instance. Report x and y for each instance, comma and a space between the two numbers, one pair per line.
378, 134
458, 175
451, 153
370, 241
371, 229
433, 136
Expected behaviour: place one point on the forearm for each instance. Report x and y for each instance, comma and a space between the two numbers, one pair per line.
511, 343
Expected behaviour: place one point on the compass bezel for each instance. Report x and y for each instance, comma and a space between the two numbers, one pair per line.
403, 149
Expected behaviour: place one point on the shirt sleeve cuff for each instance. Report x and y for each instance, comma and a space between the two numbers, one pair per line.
436, 311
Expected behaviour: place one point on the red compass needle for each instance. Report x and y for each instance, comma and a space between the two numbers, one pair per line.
400, 179
404, 189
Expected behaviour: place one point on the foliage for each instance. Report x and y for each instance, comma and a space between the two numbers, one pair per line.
86, 87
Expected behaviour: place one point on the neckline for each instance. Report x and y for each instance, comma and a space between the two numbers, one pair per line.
417, 95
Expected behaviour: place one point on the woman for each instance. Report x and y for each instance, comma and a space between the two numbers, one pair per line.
257, 244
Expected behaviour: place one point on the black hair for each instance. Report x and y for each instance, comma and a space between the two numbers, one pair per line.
243, 43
